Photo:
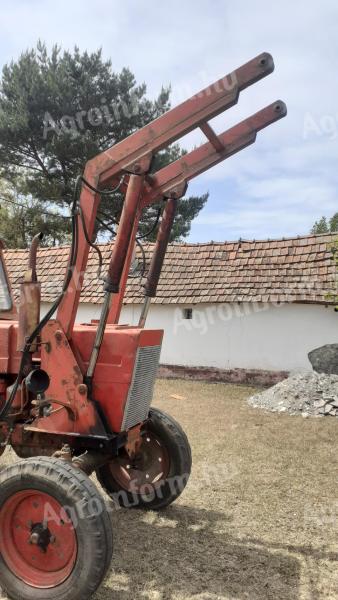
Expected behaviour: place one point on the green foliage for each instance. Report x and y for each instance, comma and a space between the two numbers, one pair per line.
334, 223
333, 296
21, 217
326, 226
58, 110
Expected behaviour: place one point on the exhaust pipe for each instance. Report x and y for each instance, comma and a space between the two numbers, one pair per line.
30, 295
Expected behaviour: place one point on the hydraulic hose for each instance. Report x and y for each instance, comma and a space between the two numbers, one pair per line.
49, 314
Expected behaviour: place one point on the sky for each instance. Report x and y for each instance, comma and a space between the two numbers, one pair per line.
288, 179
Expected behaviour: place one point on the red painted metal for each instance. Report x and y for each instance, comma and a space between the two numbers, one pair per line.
151, 468
9, 356
204, 157
66, 313
19, 516
134, 153
160, 248
173, 179
124, 232
117, 301
72, 410
96, 370
179, 121
30, 292
212, 137
115, 367
77, 405
29, 312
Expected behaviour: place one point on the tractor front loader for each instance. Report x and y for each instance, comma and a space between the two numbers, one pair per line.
75, 399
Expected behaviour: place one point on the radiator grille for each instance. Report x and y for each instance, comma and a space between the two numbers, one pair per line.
142, 386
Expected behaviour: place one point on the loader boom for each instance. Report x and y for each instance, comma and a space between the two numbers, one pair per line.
76, 398
133, 156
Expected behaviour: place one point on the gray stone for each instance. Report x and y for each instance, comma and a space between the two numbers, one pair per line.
319, 403
325, 359
301, 394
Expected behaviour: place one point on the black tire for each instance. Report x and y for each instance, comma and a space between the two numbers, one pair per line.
28, 452
166, 490
89, 524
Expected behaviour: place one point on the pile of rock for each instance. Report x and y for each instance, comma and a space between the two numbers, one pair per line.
308, 394
312, 394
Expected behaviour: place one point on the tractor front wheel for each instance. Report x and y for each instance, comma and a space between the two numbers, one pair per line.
55, 532
158, 474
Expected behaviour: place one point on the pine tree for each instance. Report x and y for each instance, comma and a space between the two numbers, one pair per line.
325, 225
58, 110
21, 217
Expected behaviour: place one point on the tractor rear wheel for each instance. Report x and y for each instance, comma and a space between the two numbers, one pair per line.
55, 532
160, 471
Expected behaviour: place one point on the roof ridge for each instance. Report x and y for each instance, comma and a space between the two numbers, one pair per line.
192, 244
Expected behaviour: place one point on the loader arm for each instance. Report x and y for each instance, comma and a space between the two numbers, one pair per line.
134, 155
169, 181
133, 158
172, 180
76, 399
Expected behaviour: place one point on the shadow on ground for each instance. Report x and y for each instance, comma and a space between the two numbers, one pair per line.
183, 553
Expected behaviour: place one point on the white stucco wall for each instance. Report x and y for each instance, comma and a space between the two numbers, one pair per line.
227, 336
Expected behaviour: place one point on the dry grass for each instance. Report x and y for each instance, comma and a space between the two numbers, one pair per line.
259, 520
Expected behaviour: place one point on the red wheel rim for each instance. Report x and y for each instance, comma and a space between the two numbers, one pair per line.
37, 539
150, 467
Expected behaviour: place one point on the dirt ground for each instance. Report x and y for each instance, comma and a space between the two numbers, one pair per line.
259, 519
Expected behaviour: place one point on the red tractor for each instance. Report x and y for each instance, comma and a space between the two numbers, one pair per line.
76, 398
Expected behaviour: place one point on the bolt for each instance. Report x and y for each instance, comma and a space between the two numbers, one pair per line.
34, 539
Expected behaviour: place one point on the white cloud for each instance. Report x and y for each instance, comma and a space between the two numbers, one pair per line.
192, 43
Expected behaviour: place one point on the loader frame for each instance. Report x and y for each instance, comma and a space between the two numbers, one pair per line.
76, 398
128, 163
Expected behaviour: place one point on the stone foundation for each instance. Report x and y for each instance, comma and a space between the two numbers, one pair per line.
244, 376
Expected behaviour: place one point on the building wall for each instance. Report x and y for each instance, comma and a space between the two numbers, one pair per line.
236, 336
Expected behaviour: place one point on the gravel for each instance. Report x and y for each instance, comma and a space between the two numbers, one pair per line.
307, 394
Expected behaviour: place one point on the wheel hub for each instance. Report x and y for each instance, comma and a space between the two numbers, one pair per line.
41, 536
37, 545
150, 466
